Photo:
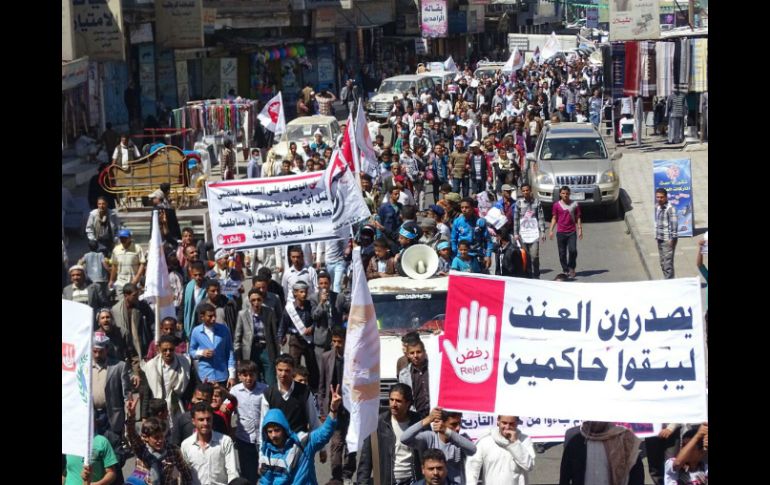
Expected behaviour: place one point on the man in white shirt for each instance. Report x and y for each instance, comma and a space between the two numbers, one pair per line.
211, 455
125, 152
444, 107
299, 271
506, 455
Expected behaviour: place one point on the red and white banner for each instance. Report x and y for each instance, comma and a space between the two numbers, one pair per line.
367, 158
628, 352
272, 117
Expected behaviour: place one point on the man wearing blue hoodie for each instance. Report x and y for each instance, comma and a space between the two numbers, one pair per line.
284, 457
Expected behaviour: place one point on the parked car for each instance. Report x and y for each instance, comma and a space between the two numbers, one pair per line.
487, 69
301, 129
379, 106
574, 154
440, 78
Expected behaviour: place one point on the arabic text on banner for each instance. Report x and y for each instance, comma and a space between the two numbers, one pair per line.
435, 18
629, 352
76, 425
542, 430
676, 177
634, 20
276, 211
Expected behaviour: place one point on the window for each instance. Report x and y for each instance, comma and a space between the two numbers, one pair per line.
572, 149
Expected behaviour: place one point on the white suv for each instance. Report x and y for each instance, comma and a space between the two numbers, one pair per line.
380, 104
574, 154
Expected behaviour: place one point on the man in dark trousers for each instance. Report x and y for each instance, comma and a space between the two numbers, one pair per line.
325, 315
331, 368
399, 464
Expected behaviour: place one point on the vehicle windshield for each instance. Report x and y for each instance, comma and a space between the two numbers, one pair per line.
573, 148
393, 86
305, 132
486, 71
404, 312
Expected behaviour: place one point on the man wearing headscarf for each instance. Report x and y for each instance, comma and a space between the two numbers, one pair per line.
601, 454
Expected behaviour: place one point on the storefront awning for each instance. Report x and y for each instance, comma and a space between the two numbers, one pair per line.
74, 73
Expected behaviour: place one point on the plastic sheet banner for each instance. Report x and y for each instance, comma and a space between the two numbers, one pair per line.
628, 352
676, 177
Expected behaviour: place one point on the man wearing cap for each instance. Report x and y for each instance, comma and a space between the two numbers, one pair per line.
103, 226
110, 388
507, 205
458, 163
318, 144
478, 168
128, 263
430, 234
297, 327
437, 213
78, 291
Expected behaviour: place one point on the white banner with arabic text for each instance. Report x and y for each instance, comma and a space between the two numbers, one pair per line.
76, 421
629, 352
266, 212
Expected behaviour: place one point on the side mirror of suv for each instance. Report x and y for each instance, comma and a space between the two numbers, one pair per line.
616, 155
531, 157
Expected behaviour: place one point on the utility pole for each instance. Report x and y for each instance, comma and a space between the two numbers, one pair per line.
691, 12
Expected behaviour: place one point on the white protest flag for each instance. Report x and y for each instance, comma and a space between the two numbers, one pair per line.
361, 375
368, 161
515, 62
157, 290
76, 407
449, 65
551, 47
272, 117
349, 204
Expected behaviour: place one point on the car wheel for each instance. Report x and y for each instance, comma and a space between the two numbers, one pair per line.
612, 211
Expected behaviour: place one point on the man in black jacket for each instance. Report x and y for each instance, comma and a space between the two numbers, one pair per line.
399, 464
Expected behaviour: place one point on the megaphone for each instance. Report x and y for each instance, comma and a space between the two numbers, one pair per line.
419, 262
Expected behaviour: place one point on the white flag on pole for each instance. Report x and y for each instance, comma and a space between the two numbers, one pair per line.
551, 47
449, 65
515, 62
76, 353
368, 158
157, 290
361, 376
272, 117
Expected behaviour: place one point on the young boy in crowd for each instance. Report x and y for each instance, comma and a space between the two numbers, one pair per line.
444, 249
223, 403
463, 261
156, 458
247, 436
382, 265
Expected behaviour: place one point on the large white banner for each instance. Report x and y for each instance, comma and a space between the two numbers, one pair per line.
76, 421
276, 211
628, 352
634, 19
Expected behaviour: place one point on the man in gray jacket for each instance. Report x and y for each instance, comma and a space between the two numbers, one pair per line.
441, 430
255, 336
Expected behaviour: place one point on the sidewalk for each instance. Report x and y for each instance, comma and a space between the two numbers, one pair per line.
635, 170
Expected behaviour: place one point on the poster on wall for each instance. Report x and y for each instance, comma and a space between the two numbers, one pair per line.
228, 75
434, 18
634, 20
179, 25
211, 77
182, 82
98, 30
676, 177
325, 62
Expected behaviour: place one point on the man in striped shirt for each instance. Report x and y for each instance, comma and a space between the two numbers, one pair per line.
665, 232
